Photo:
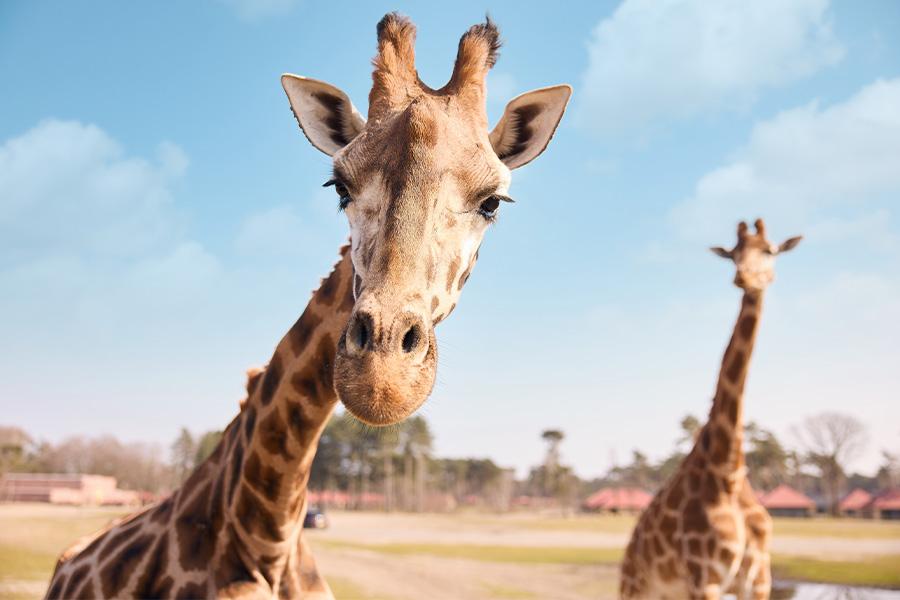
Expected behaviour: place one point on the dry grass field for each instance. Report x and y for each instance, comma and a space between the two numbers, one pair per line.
400, 556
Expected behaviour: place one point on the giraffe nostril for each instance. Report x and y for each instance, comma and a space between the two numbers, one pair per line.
360, 332
411, 339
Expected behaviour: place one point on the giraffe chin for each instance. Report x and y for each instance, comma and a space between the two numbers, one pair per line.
381, 389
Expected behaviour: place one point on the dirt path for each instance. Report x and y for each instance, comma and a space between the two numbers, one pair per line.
374, 528
415, 577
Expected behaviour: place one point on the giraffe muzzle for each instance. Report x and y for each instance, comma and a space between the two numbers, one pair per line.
385, 364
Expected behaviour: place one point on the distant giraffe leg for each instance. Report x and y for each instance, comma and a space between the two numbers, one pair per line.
754, 579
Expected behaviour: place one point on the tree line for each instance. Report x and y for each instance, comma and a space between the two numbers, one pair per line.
397, 464
818, 465
136, 466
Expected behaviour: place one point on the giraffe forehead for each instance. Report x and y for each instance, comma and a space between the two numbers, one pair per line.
420, 146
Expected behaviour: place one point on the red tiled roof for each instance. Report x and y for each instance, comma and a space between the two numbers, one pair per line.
855, 500
887, 500
784, 496
622, 498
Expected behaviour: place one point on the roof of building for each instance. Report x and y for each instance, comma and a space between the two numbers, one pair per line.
619, 498
887, 500
784, 496
855, 500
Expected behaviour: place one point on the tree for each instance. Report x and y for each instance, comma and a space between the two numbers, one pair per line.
418, 440
888, 475
553, 437
766, 458
832, 440
14, 446
690, 428
206, 445
389, 438
184, 452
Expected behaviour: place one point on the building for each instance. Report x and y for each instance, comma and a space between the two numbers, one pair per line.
785, 501
618, 499
885, 505
853, 503
61, 488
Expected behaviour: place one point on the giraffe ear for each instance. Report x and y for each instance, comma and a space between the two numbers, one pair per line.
721, 252
528, 123
325, 114
789, 244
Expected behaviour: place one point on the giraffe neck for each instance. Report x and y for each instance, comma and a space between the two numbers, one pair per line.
269, 448
723, 436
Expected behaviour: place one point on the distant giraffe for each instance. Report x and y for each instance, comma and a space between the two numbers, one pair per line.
420, 182
705, 533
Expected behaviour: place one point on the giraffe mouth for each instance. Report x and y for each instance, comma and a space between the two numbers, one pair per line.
382, 388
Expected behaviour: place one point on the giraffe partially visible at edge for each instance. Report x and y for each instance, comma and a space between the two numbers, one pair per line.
705, 532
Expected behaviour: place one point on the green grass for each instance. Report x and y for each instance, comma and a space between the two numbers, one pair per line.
25, 563
841, 528
509, 554
606, 523
878, 572
30, 545
882, 571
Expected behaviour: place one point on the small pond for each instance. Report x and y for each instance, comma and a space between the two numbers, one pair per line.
798, 590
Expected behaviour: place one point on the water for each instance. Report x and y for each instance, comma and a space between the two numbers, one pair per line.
784, 590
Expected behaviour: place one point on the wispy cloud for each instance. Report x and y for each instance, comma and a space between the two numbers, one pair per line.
68, 187
834, 169
656, 60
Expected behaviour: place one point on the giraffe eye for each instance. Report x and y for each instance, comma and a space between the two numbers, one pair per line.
344, 198
488, 208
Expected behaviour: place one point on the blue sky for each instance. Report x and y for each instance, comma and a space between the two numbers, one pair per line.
162, 221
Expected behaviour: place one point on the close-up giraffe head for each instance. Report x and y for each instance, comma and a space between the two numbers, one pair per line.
754, 256
421, 180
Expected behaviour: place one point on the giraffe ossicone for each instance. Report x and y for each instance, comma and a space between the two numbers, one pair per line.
705, 533
420, 181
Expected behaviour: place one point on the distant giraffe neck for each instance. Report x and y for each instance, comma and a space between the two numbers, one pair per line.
272, 444
724, 434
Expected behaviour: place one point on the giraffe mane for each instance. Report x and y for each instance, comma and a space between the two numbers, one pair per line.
254, 375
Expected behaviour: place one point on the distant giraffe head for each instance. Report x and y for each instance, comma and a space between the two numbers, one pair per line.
420, 181
754, 256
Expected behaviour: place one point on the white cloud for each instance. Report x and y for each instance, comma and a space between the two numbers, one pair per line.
306, 229
188, 270
658, 59
873, 229
258, 10
833, 171
68, 187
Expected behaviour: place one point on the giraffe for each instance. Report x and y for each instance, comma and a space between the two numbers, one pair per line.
420, 181
705, 532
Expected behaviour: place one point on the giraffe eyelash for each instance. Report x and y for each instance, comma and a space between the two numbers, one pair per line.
343, 194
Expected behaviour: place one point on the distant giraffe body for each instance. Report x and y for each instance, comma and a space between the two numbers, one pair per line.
705, 533
234, 528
